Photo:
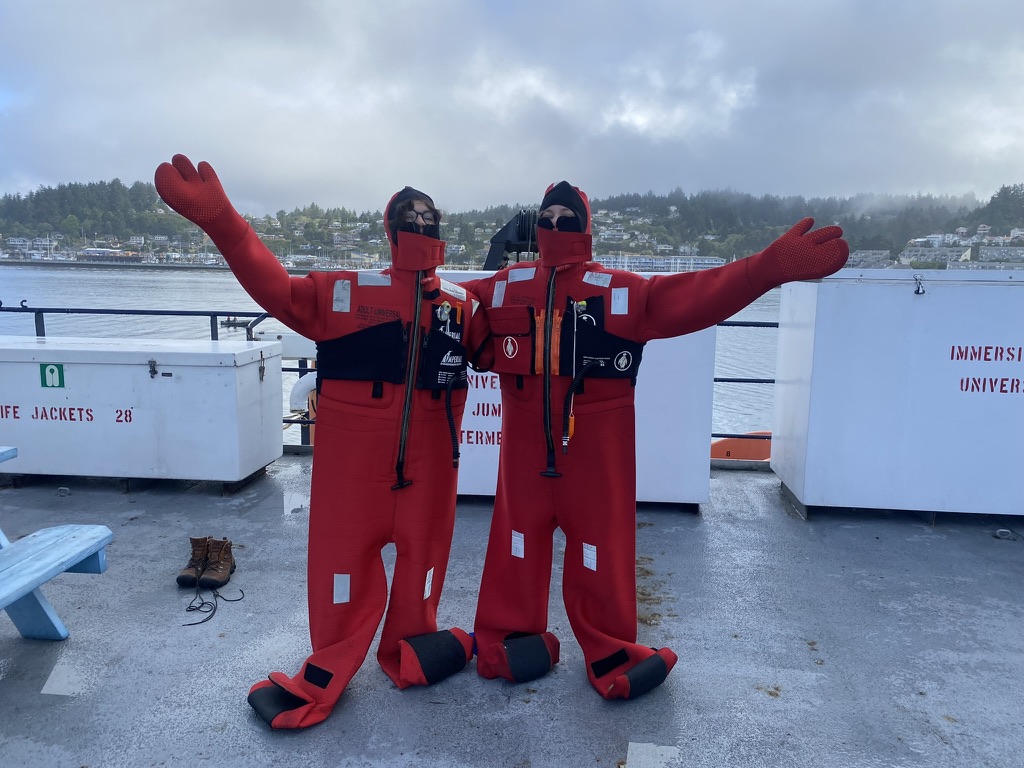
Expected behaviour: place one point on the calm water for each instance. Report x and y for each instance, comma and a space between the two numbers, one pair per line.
740, 352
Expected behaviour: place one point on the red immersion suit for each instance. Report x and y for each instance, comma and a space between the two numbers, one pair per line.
568, 338
391, 362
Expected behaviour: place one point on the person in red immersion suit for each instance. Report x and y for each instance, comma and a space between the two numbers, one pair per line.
568, 336
391, 365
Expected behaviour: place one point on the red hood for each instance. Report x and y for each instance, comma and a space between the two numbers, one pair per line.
560, 248
411, 251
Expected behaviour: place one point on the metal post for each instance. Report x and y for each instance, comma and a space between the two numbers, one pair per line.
303, 428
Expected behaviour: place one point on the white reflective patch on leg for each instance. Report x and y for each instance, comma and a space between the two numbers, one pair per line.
518, 544
430, 582
342, 588
590, 557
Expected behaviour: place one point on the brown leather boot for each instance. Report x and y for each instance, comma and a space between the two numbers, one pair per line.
189, 575
220, 564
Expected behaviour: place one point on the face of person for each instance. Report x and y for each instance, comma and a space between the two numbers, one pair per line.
559, 217
419, 216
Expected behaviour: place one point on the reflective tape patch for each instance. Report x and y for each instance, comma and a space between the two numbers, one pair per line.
453, 290
343, 296
620, 301
601, 279
518, 544
374, 278
590, 557
342, 588
518, 275
429, 583
499, 293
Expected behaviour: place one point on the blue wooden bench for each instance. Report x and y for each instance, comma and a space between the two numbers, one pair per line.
28, 563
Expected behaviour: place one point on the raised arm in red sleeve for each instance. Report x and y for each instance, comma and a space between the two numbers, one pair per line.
197, 194
689, 301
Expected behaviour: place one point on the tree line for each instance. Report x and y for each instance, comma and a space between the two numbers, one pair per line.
719, 222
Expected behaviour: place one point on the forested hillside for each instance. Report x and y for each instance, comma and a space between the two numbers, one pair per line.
720, 222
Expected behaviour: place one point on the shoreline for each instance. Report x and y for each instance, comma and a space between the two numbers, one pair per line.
110, 265
79, 263
298, 271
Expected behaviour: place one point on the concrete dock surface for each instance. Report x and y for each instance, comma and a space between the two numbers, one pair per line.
849, 639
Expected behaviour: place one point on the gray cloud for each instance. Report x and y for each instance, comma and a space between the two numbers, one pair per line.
486, 103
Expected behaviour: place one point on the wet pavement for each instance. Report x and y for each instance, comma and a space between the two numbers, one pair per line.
847, 639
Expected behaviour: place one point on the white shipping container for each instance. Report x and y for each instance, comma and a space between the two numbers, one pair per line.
901, 390
140, 408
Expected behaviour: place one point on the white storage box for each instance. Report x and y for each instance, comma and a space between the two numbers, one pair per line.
902, 390
140, 408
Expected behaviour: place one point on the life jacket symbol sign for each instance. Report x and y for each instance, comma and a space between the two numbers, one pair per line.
51, 375
510, 347
623, 360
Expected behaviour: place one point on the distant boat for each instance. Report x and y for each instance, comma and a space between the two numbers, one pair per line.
235, 322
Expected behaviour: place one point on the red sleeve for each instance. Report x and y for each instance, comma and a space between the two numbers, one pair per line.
292, 300
685, 302
478, 329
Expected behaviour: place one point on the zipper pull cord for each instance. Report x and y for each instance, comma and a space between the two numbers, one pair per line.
410, 382
546, 367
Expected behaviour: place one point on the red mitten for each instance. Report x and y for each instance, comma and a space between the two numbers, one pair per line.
799, 255
199, 197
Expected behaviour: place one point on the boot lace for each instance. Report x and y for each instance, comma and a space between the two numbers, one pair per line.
202, 605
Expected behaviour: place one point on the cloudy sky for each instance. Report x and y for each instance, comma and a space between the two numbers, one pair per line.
482, 103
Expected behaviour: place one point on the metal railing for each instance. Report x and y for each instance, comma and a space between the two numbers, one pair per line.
40, 313
215, 317
744, 379
303, 366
